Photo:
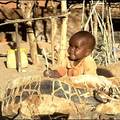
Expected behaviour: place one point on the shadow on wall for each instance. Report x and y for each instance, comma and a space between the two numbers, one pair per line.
104, 72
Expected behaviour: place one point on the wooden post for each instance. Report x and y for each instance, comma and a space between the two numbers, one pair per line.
53, 30
63, 42
33, 45
18, 57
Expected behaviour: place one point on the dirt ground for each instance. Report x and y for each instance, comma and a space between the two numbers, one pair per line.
7, 75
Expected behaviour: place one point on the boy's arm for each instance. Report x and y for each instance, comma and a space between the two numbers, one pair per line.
60, 72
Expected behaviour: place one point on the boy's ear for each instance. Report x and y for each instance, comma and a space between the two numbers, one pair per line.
88, 52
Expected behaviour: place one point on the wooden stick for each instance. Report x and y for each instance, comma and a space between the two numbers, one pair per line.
53, 33
109, 41
103, 7
18, 55
113, 40
86, 25
95, 25
32, 19
105, 39
99, 22
91, 20
108, 45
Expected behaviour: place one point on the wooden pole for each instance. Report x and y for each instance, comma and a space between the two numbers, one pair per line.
83, 15
91, 20
108, 45
113, 40
26, 9
53, 33
33, 46
18, 57
33, 19
63, 42
103, 9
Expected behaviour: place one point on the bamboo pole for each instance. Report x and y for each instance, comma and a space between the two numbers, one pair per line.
18, 57
63, 42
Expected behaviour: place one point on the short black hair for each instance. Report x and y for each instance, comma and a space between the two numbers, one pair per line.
88, 37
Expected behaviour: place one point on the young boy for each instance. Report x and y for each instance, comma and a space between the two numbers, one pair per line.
81, 45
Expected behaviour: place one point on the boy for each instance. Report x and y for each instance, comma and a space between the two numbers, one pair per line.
81, 45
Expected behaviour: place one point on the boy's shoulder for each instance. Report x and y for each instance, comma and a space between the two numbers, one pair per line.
89, 58
89, 62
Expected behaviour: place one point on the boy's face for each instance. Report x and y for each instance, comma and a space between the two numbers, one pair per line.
78, 49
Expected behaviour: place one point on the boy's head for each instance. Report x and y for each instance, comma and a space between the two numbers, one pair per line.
81, 45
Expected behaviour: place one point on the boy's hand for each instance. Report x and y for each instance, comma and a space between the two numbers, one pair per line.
46, 73
51, 73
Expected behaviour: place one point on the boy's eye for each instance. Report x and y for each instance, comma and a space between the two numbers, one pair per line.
70, 45
76, 47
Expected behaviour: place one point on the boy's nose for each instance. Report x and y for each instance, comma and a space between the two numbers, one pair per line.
72, 49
